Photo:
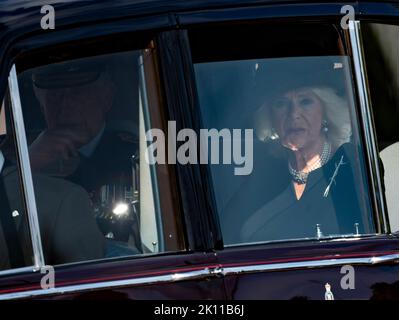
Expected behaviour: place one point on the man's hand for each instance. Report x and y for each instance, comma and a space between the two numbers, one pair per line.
55, 144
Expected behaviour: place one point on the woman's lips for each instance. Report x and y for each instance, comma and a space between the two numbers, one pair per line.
295, 131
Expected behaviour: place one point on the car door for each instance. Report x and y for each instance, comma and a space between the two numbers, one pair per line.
105, 222
278, 245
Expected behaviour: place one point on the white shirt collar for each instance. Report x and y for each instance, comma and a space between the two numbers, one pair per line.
88, 149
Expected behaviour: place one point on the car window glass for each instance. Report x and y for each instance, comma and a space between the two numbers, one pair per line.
86, 120
290, 165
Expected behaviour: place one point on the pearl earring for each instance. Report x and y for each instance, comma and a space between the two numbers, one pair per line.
324, 126
274, 134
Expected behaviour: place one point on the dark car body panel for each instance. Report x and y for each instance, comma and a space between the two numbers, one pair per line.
286, 274
150, 269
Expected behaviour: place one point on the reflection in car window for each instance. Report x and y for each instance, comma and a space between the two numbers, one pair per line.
84, 121
308, 178
381, 51
15, 243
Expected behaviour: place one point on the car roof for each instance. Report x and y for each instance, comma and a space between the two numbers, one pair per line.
14, 11
22, 17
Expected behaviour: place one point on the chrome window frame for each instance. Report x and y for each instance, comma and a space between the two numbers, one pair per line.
27, 181
361, 83
143, 96
26, 177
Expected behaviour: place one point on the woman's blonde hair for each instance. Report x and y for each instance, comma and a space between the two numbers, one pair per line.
335, 110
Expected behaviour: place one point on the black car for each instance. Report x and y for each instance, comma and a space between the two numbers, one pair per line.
167, 149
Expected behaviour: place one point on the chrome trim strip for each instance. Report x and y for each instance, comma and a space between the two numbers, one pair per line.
147, 124
17, 271
310, 264
26, 170
219, 271
367, 118
109, 284
300, 241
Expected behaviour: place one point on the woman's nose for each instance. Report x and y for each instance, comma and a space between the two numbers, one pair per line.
295, 109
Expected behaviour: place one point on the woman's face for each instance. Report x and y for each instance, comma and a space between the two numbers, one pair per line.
297, 117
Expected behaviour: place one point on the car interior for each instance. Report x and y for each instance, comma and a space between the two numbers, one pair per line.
126, 222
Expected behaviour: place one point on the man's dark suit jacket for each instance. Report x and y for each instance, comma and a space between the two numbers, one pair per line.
67, 226
110, 163
265, 208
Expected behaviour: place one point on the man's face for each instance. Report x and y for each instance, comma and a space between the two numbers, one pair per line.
80, 108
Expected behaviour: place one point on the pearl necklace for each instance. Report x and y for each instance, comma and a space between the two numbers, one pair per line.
301, 177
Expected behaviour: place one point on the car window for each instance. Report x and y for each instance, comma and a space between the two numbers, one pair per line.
381, 52
282, 104
86, 119
15, 242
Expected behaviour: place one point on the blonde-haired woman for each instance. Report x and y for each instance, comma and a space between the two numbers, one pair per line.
313, 122
312, 125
